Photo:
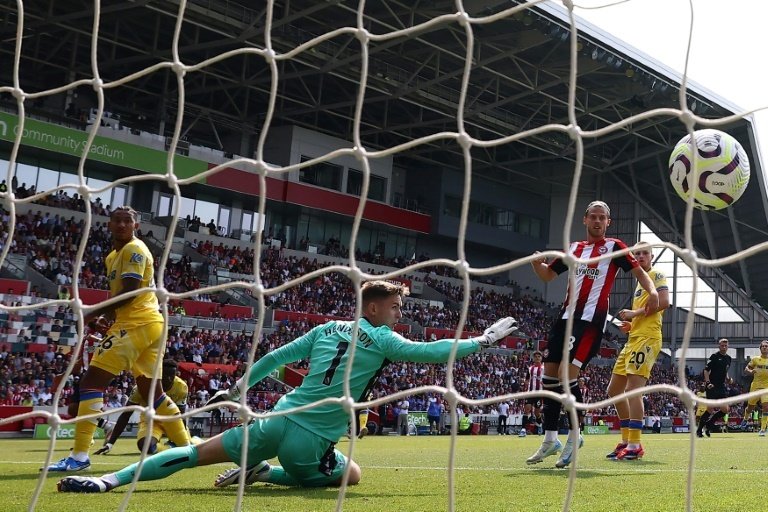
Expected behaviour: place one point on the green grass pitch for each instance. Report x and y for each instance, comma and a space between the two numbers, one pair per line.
409, 474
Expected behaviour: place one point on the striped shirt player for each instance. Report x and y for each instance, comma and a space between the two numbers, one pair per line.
592, 288
534, 376
304, 441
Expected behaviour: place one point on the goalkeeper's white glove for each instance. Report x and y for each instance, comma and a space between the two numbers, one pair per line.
498, 331
104, 449
232, 394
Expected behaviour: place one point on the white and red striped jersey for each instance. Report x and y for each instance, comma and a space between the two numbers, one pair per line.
594, 281
535, 374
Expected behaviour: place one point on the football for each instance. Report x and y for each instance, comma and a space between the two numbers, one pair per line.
721, 174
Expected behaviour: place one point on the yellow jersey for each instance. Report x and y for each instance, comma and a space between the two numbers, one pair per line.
760, 377
178, 393
701, 408
648, 326
133, 261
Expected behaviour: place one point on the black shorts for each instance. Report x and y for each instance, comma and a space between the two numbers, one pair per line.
716, 392
584, 343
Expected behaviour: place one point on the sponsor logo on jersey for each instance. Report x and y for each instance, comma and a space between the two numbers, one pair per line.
590, 272
136, 258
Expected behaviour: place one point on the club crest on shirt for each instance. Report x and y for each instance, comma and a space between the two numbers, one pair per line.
602, 249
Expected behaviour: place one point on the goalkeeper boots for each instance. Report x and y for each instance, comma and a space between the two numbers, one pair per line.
546, 449
87, 484
256, 473
567, 455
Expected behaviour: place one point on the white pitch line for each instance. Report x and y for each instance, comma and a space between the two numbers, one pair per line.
524, 469
528, 469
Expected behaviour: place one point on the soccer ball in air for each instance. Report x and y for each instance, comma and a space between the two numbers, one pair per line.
721, 174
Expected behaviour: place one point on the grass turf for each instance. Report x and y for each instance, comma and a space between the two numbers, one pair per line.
409, 474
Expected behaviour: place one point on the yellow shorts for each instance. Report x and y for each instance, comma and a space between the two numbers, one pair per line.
157, 429
134, 349
762, 399
638, 356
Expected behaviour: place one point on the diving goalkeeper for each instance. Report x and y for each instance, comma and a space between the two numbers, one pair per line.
304, 442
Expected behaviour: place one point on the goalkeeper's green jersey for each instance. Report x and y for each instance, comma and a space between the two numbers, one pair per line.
328, 347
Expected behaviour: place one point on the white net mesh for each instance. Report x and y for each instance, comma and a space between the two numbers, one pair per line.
262, 169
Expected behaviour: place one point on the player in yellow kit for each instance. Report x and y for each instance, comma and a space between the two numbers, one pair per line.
177, 390
758, 368
701, 408
634, 364
132, 342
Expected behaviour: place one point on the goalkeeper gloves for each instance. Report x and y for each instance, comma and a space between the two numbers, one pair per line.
104, 449
498, 331
232, 394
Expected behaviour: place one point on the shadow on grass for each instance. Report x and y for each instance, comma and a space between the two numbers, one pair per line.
268, 491
28, 476
618, 468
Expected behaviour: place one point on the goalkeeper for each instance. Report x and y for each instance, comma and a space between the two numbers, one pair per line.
304, 442
177, 390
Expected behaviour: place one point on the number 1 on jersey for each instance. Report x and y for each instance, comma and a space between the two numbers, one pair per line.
341, 349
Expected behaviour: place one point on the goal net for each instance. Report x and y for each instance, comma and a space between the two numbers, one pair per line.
362, 40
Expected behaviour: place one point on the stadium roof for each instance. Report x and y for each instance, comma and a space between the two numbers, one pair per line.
518, 81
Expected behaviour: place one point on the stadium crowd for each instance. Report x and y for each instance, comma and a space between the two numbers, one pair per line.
50, 242
26, 378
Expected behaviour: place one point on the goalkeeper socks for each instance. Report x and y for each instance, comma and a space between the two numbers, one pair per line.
157, 466
174, 428
278, 476
91, 401
624, 426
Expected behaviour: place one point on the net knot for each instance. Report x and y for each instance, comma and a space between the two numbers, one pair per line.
179, 68
162, 294
688, 118
688, 256
463, 18
464, 140
348, 404
360, 153
363, 35
452, 397
569, 402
